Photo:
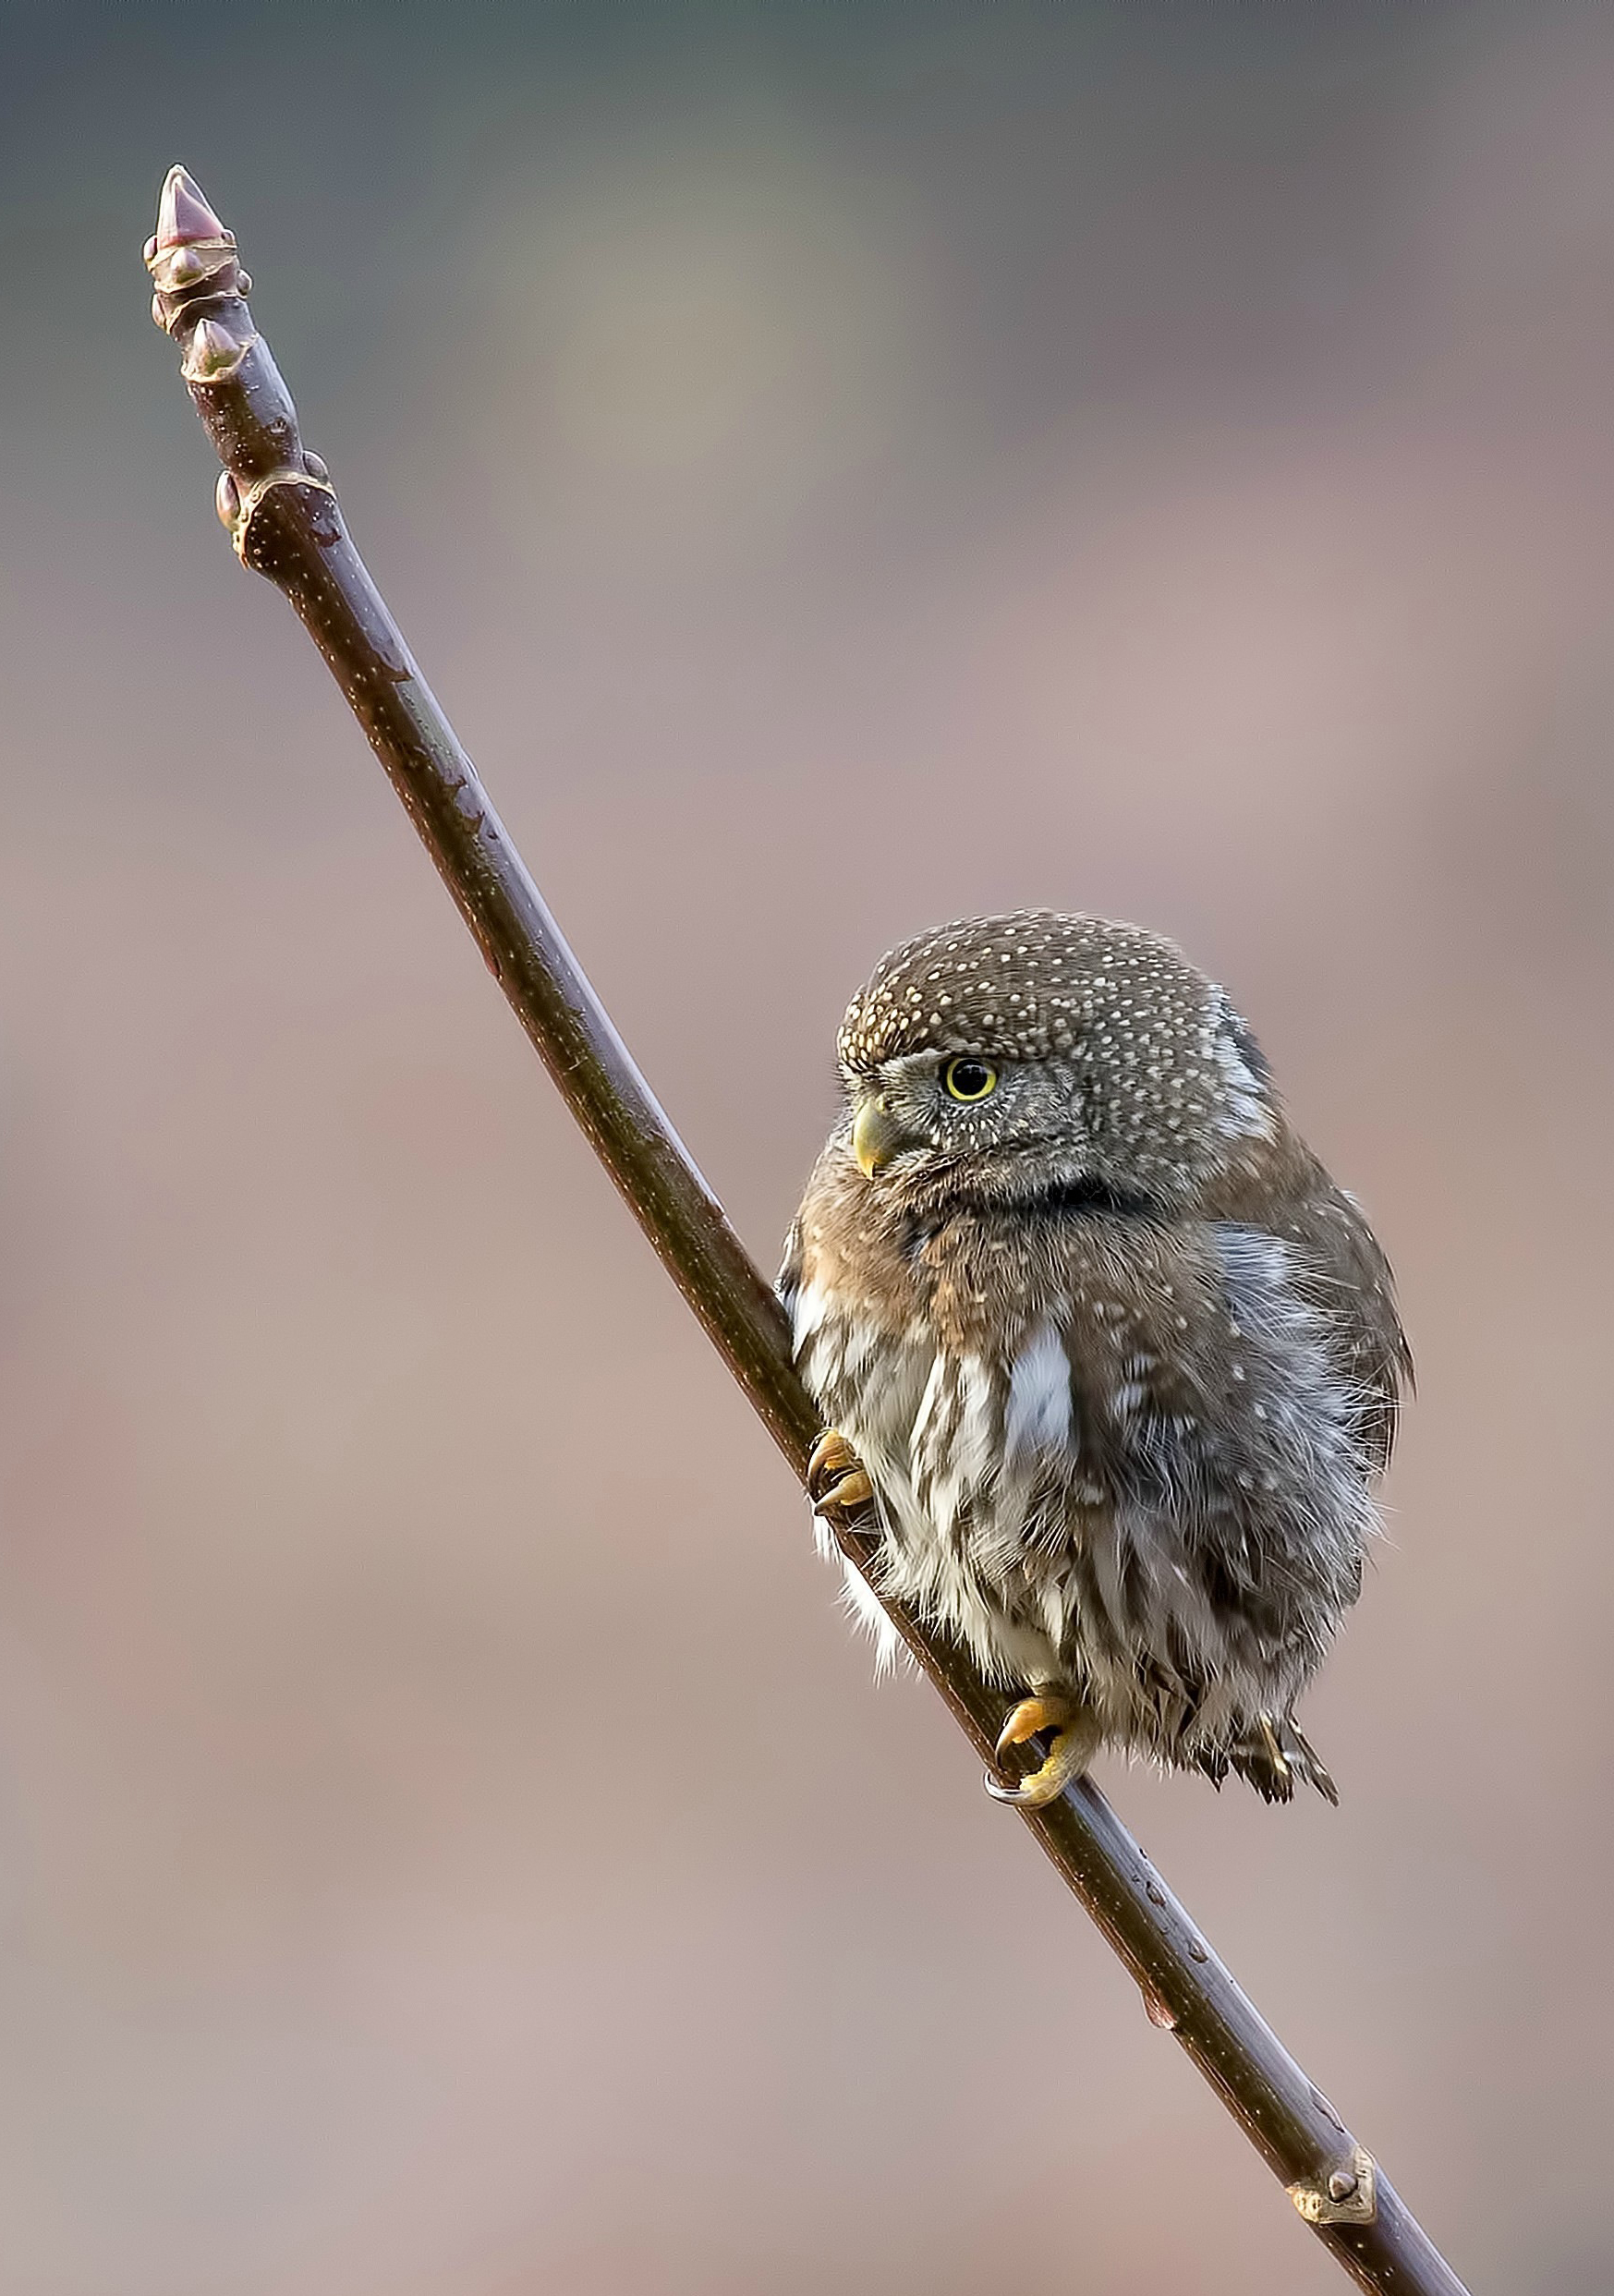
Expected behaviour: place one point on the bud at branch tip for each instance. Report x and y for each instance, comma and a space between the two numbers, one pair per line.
184, 215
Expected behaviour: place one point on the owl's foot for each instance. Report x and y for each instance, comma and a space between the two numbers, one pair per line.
1072, 1731
836, 1481
1310, 1769
1276, 1755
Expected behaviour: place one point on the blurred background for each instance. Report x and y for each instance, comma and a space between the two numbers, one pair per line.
841, 467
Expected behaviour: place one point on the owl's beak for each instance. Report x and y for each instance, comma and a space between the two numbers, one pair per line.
876, 1136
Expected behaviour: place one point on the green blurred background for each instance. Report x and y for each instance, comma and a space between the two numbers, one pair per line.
842, 466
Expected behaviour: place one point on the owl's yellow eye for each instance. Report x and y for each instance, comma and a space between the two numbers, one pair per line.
969, 1079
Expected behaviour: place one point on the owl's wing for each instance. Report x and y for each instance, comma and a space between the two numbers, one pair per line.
1336, 1265
1214, 1405
1340, 1269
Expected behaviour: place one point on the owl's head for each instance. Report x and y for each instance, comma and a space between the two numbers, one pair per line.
1005, 1059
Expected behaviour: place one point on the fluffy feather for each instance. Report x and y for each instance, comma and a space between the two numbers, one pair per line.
1121, 1360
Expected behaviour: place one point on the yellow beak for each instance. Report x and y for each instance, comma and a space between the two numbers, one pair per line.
876, 1138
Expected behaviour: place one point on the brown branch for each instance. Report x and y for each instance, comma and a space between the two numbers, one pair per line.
278, 504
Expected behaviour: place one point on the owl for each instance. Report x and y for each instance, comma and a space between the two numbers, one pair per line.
1116, 1361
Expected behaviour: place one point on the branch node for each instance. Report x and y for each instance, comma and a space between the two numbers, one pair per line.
1348, 2194
237, 507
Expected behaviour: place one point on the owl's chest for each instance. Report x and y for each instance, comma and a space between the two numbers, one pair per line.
866, 1365
995, 1378
967, 1344
954, 1437
974, 1521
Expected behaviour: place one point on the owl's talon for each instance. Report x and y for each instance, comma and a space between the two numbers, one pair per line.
1276, 1755
837, 1482
1073, 1741
851, 1492
1045, 1709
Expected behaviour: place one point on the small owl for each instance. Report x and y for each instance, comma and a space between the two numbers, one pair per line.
1116, 1361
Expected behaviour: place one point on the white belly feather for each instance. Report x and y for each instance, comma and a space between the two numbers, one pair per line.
1047, 1578
931, 1430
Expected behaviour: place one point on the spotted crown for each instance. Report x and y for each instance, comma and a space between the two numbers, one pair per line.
1025, 987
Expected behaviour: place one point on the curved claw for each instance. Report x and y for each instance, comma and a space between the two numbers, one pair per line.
1074, 1742
836, 1480
854, 1490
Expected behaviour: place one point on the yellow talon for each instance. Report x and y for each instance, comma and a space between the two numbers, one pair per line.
837, 1483
851, 1492
1074, 1742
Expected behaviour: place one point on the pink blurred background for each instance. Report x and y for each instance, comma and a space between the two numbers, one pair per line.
841, 469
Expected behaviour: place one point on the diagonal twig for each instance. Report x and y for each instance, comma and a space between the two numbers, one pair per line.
282, 513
